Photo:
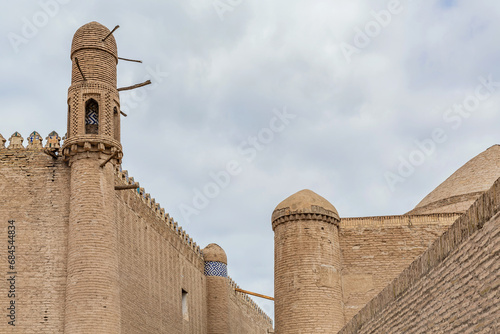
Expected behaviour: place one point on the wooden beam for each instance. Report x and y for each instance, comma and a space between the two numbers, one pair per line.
124, 114
109, 159
254, 294
112, 31
128, 186
145, 83
135, 61
80, 69
51, 153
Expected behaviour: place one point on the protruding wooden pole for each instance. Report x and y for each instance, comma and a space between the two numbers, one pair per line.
51, 153
109, 159
135, 61
80, 69
128, 186
253, 294
145, 83
112, 31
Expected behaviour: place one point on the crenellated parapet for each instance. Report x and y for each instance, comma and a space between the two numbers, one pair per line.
16, 141
158, 211
35, 142
53, 141
248, 301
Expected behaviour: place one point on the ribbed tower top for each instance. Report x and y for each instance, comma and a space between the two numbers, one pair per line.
215, 253
90, 36
305, 202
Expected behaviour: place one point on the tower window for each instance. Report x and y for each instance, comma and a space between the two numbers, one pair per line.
116, 123
185, 313
92, 117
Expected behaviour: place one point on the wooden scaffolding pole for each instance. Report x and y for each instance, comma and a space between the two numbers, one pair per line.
254, 294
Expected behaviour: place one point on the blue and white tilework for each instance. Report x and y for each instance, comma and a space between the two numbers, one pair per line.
91, 117
34, 136
213, 268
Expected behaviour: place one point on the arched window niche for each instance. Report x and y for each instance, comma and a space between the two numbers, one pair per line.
92, 117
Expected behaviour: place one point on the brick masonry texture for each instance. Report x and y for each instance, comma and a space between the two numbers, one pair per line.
97, 59
376, 249
155, 266
156, 259
92, 259
453, 287
245, 317
92, 293
34, 191
218, 305
307, 277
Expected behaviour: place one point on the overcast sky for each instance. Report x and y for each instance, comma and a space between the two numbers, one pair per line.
371, 104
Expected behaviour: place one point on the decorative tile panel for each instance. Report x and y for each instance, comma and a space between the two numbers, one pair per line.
214, 268
91, 117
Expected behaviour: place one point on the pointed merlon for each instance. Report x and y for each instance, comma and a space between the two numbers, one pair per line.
112, 31
145, 83
80, 69
135, 61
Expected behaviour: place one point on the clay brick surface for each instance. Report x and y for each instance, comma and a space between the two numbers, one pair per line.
155, 266
34, 191
245, 317
92, 293
376, 249
453, 287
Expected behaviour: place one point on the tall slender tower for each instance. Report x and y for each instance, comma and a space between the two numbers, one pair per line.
307, 282
217, 289
93, 138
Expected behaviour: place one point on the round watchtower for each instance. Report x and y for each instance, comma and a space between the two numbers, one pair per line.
93, 100
307, 282
217, 289
92, 148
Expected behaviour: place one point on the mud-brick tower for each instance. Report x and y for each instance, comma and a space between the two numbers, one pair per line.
93, 138
307, 282
217, 289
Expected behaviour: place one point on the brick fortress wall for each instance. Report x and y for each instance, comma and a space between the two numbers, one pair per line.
34, 192
245, 317
158, 260
452, 287
376, 249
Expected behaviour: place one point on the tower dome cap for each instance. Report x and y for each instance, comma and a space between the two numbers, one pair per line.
90, 36
305, 202
214, 253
